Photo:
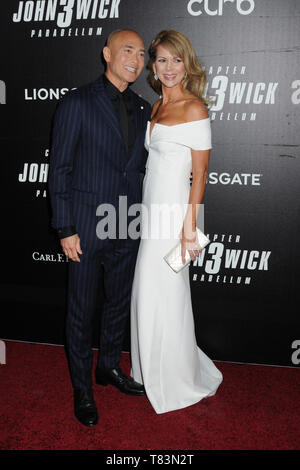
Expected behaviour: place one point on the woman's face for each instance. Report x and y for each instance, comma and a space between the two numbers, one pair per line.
169, 69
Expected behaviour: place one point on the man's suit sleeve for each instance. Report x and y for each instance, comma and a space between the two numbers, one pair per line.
65, 232
66, 132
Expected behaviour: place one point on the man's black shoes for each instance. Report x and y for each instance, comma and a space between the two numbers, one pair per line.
119, 380
85, 408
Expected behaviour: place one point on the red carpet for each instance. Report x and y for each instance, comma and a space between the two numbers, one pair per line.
256, 408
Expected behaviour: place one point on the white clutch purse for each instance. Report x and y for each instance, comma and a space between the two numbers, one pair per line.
173, 258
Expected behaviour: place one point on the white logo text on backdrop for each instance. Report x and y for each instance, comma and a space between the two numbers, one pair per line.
213, 7
238, 92
2, 92
63, 13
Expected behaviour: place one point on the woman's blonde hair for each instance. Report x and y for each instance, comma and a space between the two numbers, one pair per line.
180, 46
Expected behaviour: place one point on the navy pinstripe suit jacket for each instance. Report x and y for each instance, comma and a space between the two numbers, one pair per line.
89, 165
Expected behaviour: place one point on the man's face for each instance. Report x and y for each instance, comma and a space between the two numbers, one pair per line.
125, 57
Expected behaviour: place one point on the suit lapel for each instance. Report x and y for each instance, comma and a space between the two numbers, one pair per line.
111, 119
106, 107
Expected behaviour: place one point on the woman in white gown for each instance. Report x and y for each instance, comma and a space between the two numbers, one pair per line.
164, 353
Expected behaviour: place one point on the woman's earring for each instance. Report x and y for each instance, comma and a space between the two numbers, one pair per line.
185, 75
155, 76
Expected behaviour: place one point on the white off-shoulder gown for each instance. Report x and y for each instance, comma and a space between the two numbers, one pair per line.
165, 357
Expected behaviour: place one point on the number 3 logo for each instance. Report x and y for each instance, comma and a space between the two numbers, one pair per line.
64, 19
219, 83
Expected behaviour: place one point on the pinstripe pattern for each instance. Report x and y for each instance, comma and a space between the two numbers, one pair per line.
88, 167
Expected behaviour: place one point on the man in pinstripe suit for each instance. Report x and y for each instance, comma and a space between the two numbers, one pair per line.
97, 156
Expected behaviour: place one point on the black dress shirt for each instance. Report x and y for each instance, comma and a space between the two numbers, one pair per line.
123, 108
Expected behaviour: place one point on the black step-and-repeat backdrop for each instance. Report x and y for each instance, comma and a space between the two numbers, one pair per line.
245, 284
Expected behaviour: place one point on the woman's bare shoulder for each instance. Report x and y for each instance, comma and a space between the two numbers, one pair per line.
195, 110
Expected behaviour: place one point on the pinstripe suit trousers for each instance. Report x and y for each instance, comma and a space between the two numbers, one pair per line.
117, 259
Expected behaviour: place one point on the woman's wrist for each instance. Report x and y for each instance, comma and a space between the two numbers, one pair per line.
188, 233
